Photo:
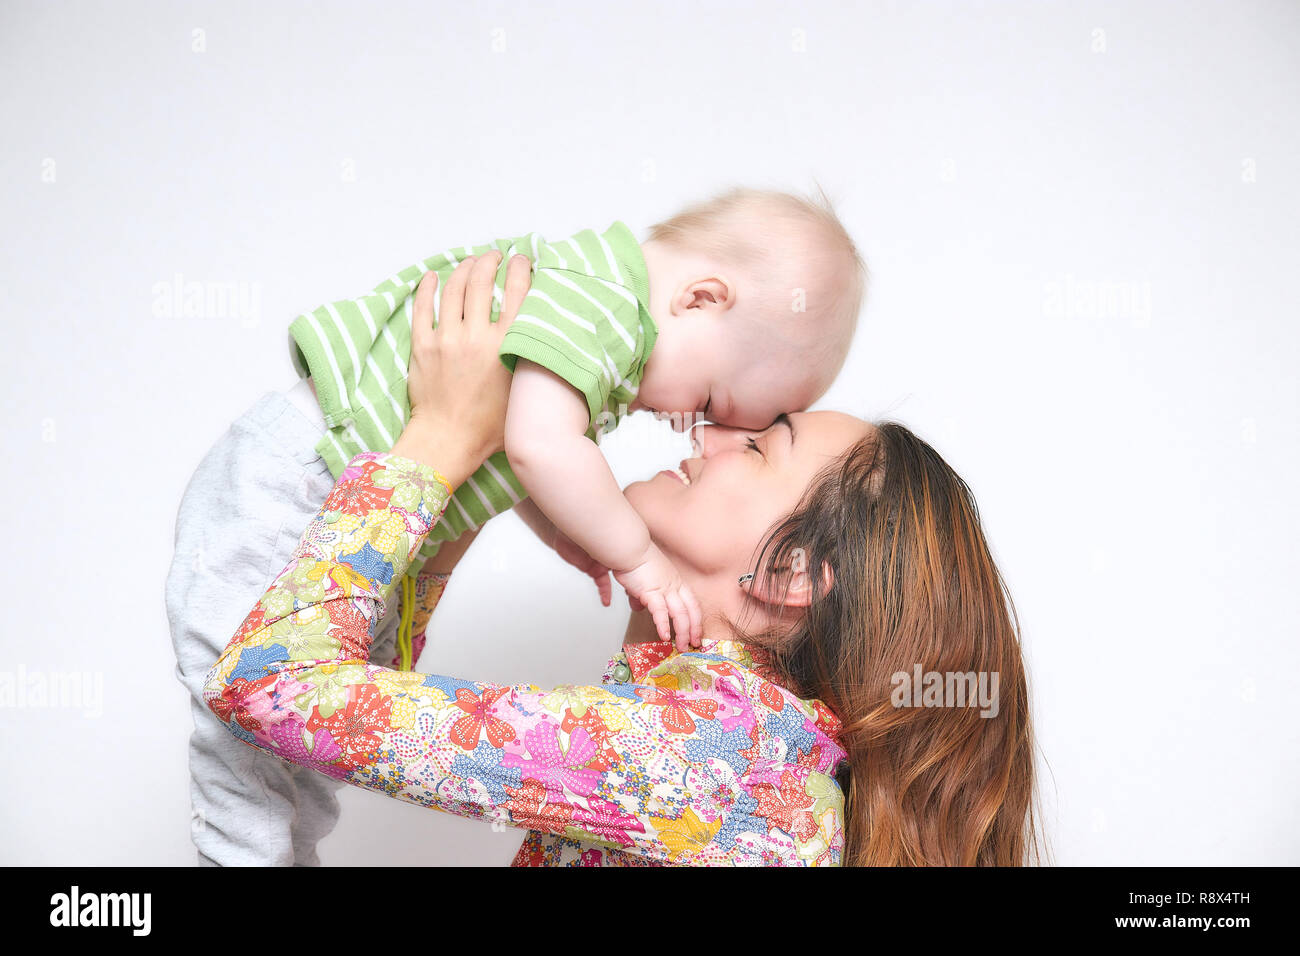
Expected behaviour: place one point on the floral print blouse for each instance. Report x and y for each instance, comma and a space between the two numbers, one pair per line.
676, 758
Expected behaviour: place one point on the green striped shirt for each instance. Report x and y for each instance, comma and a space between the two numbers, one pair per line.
586, 318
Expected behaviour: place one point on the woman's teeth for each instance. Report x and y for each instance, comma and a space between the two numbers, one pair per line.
686, 479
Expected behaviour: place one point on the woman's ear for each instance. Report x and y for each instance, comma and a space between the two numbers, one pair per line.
791, 586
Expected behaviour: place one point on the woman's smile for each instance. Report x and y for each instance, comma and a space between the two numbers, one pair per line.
680, 473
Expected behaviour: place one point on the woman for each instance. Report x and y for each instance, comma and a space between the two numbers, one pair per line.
830, 557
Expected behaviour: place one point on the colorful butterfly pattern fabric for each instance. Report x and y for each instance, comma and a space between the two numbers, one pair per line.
698, 758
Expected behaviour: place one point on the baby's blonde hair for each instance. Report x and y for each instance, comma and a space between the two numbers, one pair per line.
787, 245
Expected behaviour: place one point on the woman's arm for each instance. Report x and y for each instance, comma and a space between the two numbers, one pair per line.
428, 590
701, 765
685, 769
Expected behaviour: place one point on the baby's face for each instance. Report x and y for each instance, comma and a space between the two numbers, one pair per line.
713, 386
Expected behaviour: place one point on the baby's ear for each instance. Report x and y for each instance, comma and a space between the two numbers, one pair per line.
713, 293
791, 585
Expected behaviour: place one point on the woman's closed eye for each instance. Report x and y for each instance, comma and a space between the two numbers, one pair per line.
750, 443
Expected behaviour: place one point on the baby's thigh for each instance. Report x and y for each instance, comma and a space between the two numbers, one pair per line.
240, 519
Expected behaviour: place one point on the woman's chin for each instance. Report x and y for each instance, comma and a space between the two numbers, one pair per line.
649, 491
635, 490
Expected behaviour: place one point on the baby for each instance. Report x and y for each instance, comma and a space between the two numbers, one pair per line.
735, 310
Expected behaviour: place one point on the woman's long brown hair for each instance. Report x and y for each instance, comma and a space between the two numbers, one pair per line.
913, 583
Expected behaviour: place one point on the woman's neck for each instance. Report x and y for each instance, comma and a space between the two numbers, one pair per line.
640, 628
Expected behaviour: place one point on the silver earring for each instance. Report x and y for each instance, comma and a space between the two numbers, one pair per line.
746, 578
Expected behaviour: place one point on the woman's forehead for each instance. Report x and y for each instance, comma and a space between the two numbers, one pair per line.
823, 435
828, 425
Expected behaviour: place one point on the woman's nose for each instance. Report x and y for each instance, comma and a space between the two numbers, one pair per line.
706, 439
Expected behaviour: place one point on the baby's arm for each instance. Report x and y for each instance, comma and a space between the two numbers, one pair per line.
565, 473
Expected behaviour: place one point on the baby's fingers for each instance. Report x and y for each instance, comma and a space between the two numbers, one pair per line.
601, 577
681, 620
658, 608
696, 615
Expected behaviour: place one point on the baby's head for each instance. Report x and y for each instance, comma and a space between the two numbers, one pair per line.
756, 295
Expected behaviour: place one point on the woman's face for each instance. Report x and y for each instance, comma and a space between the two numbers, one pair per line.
741, 483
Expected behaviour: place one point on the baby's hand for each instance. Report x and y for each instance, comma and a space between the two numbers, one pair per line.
570, 552
656, 583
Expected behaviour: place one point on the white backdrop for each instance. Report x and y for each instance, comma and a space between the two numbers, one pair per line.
1083, 239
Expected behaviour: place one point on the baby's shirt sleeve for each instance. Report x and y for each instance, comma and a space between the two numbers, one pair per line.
585, 329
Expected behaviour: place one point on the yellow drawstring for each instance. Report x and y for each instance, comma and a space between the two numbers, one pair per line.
404, 637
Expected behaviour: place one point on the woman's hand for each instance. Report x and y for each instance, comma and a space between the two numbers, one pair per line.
457, 384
